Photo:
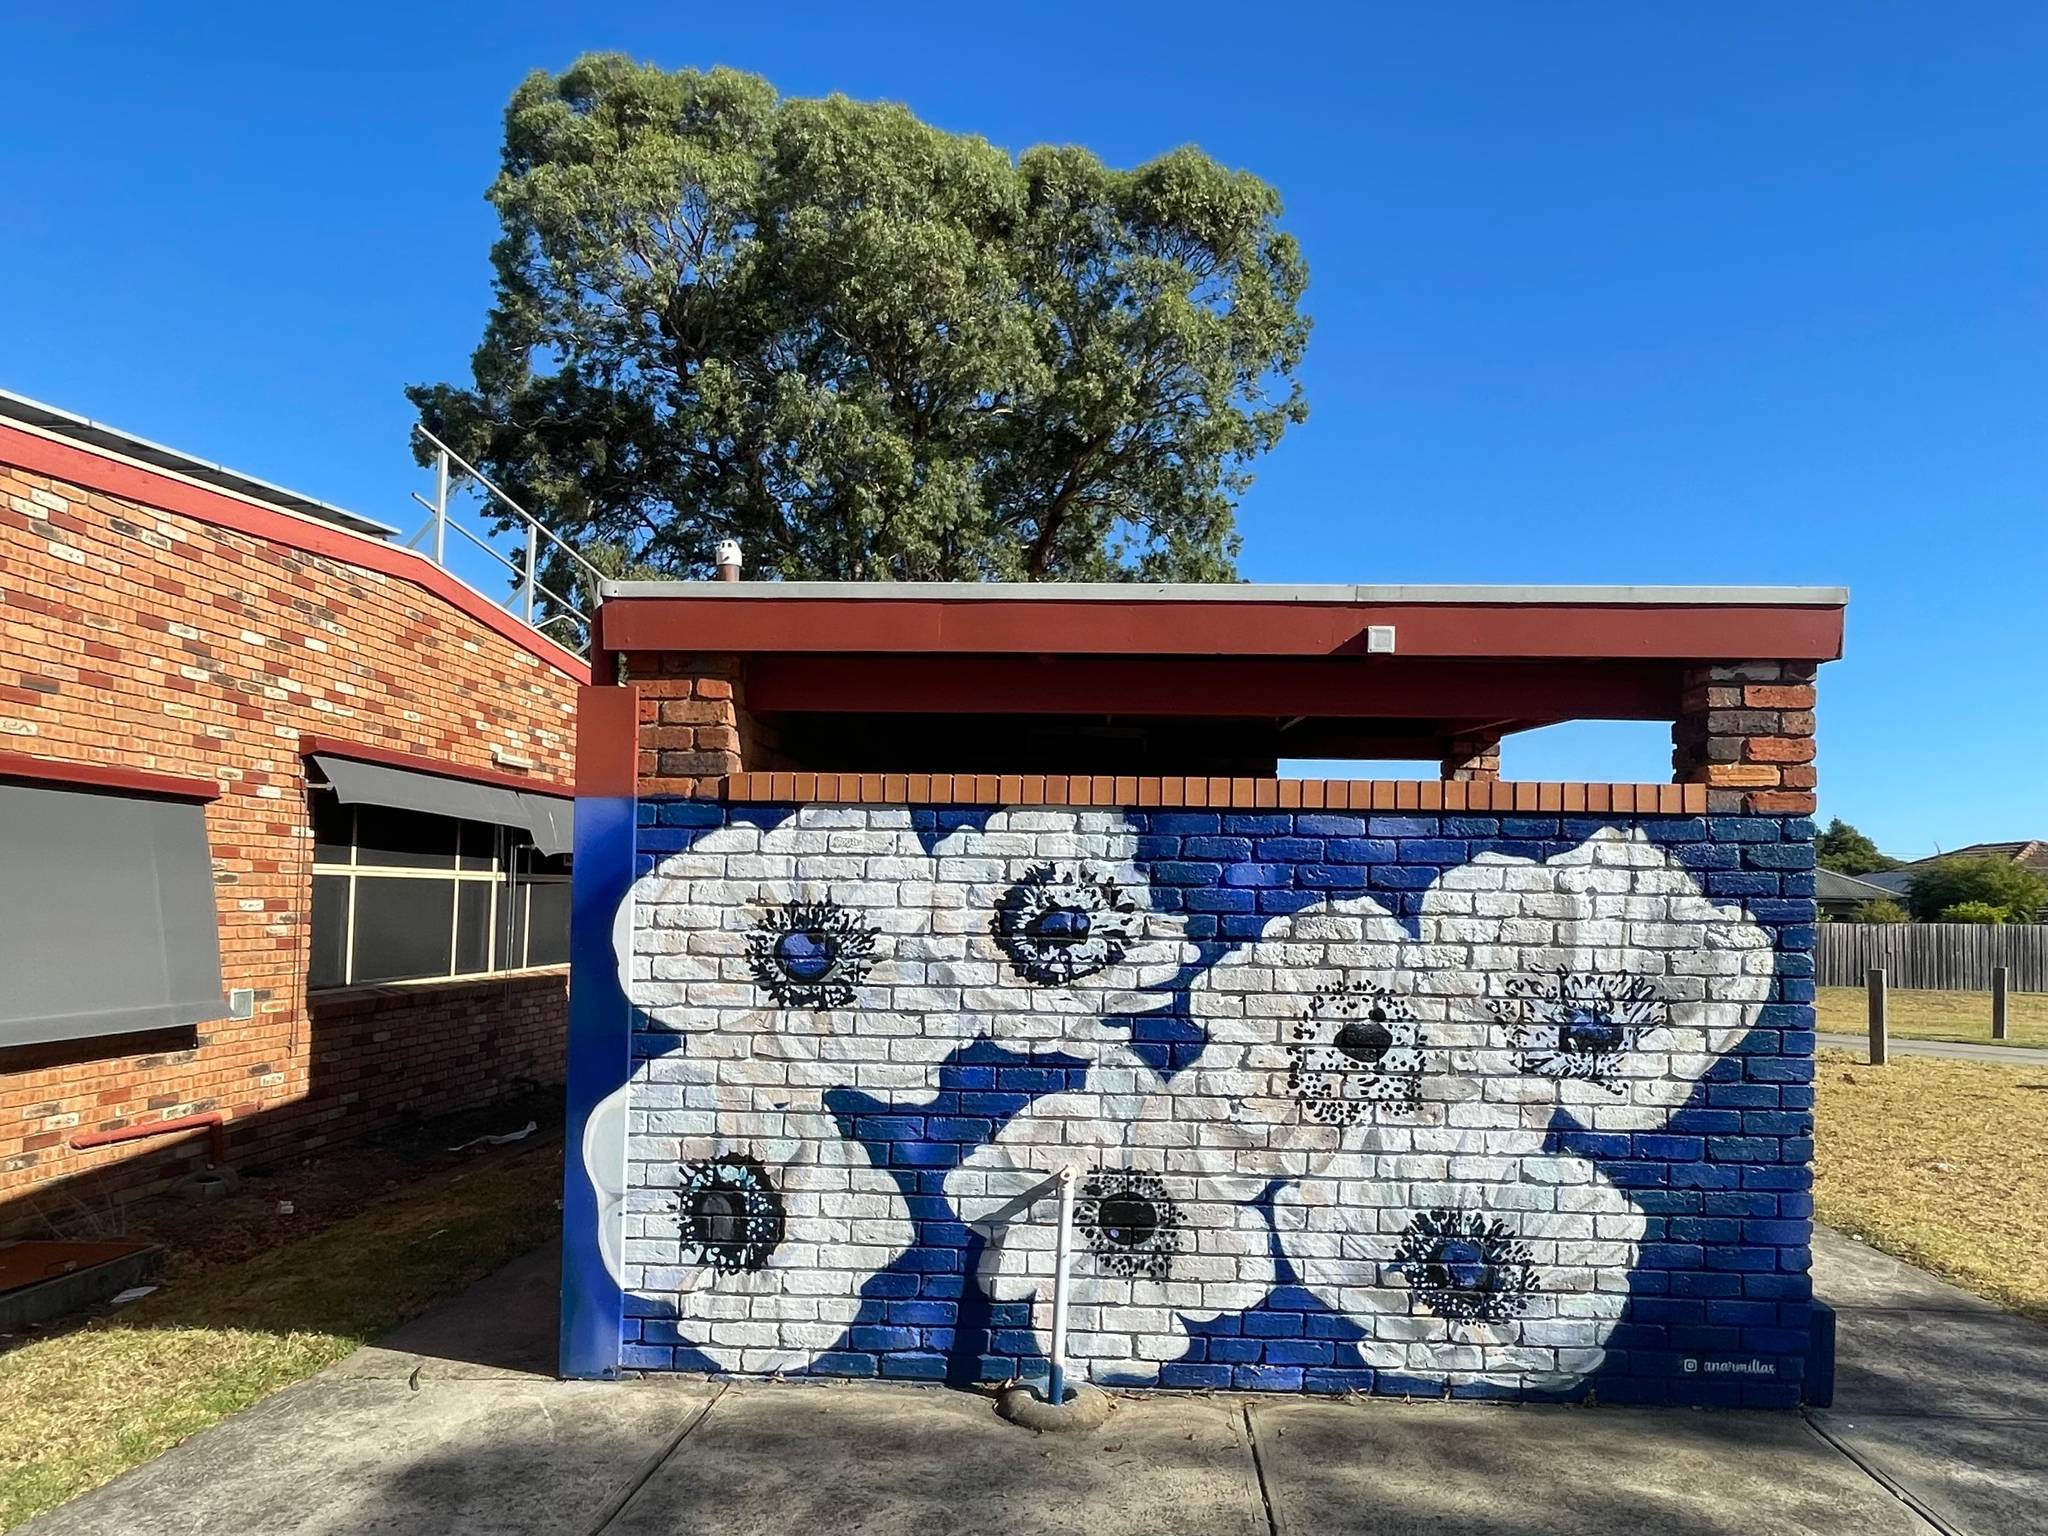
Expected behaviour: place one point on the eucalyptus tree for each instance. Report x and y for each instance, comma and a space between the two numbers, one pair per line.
866, 347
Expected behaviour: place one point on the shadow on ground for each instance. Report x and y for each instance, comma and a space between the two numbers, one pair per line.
453, 1424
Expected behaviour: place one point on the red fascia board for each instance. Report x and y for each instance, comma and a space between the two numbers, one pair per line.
1152, 627
82, 467
333, 746
13, 765
1383, 687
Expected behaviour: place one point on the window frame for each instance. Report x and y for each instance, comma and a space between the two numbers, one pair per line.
497, 870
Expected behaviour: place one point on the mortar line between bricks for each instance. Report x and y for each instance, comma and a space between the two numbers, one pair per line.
616, 1506
1889, 1484
1251, 1436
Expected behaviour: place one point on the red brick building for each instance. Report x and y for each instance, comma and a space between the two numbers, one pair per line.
282, 828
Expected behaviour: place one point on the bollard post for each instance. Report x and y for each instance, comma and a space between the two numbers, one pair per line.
1877, 1017
2001, 985
1056, 1373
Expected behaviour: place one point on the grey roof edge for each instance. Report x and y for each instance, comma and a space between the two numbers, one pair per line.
1857, 886
98, 435
1238, 592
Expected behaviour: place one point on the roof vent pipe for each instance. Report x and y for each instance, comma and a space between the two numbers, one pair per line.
727, 559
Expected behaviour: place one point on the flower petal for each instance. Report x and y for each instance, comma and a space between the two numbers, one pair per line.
1152, 1246
761, 1236
1514, 1280
1600, 980
1316, 1027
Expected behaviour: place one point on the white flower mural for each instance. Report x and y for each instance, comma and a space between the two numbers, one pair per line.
1466, 1268
1600, 980
758, 1226
1156, 1242
1032, 930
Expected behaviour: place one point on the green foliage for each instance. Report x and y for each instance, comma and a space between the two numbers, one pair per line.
865, 347
1992, 882
1848, 852
1975, 912
1880, 910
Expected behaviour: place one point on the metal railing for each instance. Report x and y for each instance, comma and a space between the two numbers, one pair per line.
450, 468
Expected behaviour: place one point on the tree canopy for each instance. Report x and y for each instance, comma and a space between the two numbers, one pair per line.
1994, 882
865, 347
1849, 852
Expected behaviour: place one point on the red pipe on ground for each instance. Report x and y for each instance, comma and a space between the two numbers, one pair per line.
213, 1123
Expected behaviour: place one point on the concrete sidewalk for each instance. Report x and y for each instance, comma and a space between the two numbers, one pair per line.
1950, 1050
454, 1425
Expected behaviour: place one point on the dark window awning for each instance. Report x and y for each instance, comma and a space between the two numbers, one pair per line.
354, 782
107, 917
552, 820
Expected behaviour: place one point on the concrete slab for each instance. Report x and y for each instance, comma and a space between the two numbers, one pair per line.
1988, 1477
866, 1460
334, 1457
503, 1326
1972, 1365
1388, 1469
1847, 1273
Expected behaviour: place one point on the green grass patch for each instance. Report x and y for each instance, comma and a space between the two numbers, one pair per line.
82, 1408
1939, 1162
1935, 1015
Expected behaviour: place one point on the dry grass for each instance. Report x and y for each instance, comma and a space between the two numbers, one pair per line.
1935, 1015
79, 1409
1941, 1163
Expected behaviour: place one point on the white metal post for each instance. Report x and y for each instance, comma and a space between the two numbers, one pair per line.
441, 509
1056, 1380
532, 554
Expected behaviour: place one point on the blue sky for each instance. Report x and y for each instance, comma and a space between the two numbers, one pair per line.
1674, 293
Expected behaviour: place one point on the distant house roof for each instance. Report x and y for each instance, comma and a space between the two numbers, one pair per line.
1830, 888
1893, 882
2032, 853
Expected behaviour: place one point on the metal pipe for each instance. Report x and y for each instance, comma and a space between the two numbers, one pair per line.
727, 559
213, 1123
441, 509
1056, 1378
532, 551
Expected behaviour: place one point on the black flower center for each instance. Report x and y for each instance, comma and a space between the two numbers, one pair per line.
1464, 1265
806, 954
718, 1217
1590, 1032
732, 1212
1366, 1040
1128, 1221
1061, 925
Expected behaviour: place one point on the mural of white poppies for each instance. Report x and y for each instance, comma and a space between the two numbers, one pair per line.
834, 938
1369, 1107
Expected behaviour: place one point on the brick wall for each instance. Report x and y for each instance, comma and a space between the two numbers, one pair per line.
1488, 1105
159, 640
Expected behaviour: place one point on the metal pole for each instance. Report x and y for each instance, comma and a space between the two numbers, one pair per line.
532, 552
441, 509
2001, 985
1056, 1380
1877, 1017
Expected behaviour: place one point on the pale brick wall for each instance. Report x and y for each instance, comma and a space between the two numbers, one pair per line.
153, 640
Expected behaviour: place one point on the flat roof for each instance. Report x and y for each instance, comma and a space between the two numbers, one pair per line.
1225, 621
1235, 592
97, 434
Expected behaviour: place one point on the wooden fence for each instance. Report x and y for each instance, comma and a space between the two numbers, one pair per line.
1942, 957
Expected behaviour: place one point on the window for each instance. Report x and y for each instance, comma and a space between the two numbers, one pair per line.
399, 895
108, 922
